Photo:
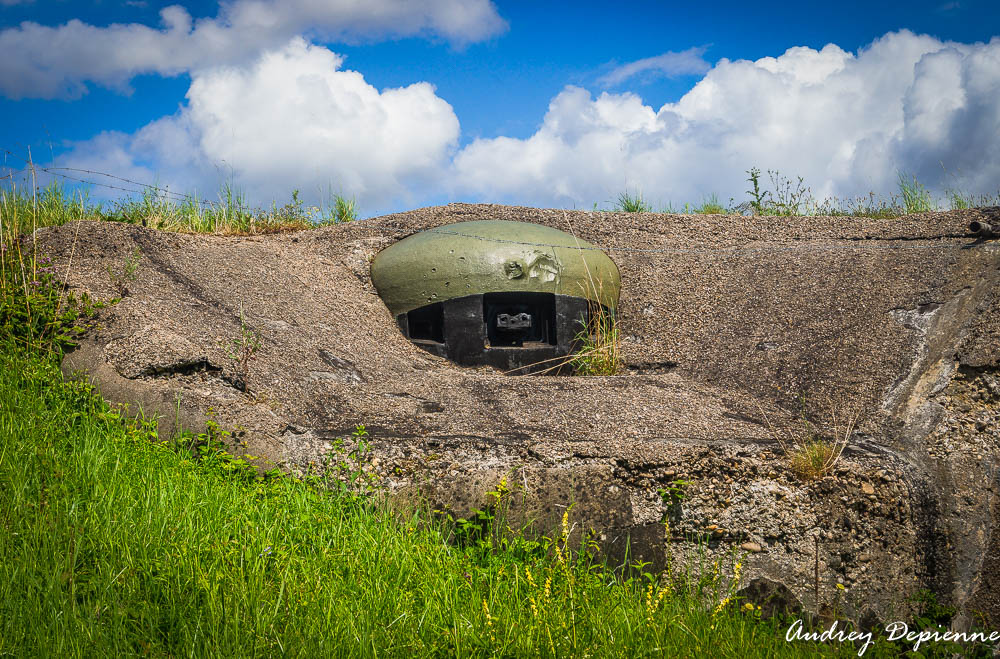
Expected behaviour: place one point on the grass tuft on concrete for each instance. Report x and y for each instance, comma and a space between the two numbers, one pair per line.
24, 209
787, 197
597, 346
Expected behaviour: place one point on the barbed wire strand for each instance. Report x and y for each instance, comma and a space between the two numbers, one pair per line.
55, 171
907, 243
714, 250
147, 186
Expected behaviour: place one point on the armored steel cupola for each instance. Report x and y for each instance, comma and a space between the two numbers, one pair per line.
508, 294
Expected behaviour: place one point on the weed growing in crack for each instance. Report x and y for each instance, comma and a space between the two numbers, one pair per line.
758, 197
211, 450
814, 458
485, 527
789, 198
813, 452
347, 469
786, 198
242, 349
711, 206
126, 272
673, 496
342, 210
598, 349
916, 198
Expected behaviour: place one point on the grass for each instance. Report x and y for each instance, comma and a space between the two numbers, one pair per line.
57, 204
632, 203
710, 206
915, 197
787, 197
811, 459
597, 347
23, 209
812, 452
115, 543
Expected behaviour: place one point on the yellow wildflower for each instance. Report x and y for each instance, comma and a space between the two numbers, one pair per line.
489, 620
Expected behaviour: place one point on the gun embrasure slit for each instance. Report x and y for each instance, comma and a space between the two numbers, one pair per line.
528, 292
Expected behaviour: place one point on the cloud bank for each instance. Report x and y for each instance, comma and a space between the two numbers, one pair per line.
57, 62
847, 122
291, 120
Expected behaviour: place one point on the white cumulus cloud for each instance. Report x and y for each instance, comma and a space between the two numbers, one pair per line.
290, 120
58, 61
846, 122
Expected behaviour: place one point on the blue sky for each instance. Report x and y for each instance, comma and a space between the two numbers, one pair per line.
525, 102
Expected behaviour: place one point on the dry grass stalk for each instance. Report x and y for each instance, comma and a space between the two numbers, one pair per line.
598, 350
813, 453
596, 347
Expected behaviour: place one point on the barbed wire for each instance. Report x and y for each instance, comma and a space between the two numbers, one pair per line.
12, 174
143, 187
863, 243
163, 192
904, 244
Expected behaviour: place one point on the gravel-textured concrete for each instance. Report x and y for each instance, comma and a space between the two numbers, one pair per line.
730, 325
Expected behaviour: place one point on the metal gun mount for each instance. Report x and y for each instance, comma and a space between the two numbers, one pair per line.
516, 321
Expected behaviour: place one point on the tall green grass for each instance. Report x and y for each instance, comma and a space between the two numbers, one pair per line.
787, 197
23, 208
629, 202
914, 196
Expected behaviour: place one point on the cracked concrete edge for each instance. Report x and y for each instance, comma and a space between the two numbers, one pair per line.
87, 362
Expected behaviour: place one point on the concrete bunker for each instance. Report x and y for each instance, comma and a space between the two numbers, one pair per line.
513, 295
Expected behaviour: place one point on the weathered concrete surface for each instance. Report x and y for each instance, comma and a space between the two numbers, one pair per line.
725, 321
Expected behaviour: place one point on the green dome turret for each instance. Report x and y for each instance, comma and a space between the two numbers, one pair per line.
492, 256
514, 295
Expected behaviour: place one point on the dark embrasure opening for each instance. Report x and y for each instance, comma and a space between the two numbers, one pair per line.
518, 332
513, 319
427, 323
